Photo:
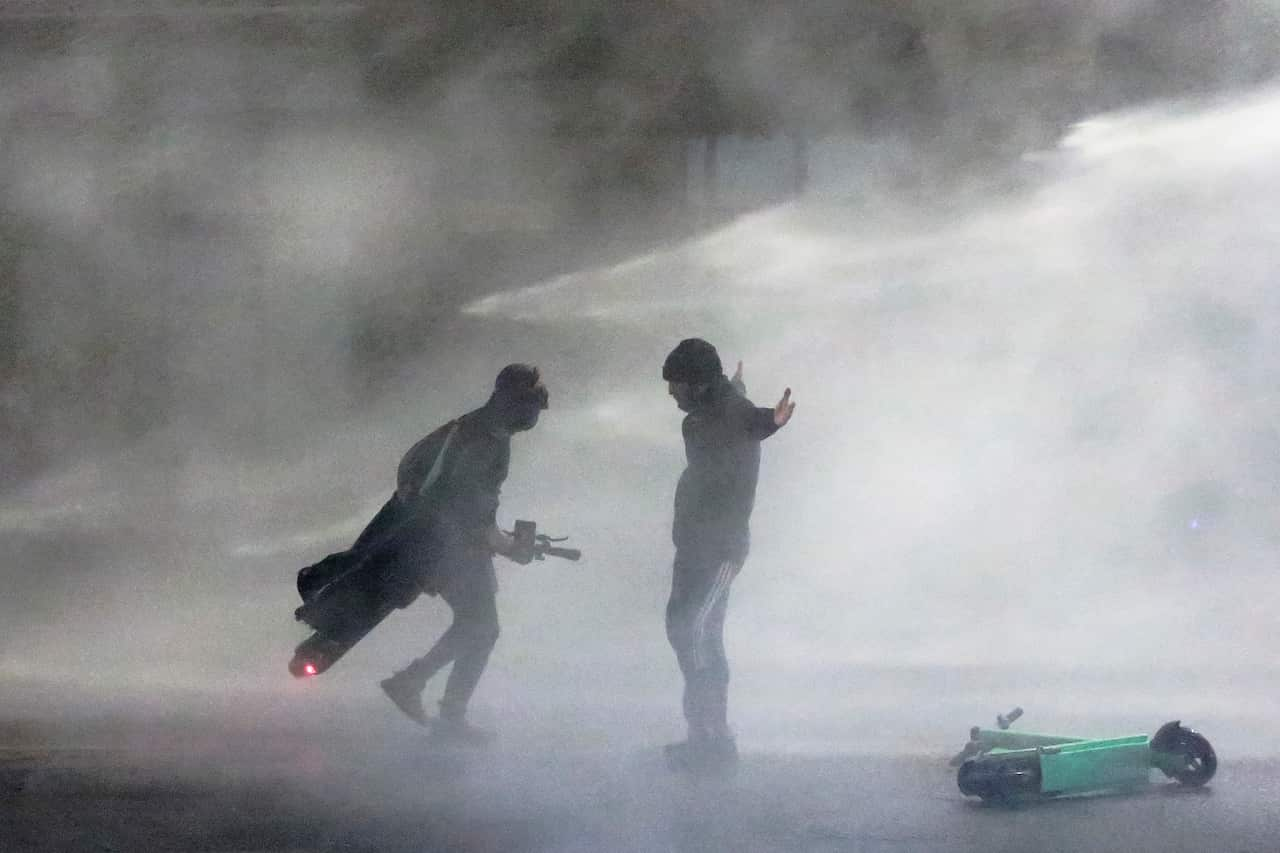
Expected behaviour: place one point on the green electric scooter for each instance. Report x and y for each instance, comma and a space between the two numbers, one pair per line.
997, 764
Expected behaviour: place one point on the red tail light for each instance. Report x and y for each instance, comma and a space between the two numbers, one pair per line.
309, 669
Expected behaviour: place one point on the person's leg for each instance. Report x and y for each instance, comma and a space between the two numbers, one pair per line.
681, 608
445, 651
405, 687
695, 625
714, 673
475, 607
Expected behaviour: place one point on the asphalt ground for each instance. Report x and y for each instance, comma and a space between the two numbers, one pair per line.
127, 786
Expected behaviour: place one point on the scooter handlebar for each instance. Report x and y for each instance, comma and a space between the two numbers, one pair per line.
540, 544
1006, 720
562, 553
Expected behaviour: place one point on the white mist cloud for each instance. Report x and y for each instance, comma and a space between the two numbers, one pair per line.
999, 410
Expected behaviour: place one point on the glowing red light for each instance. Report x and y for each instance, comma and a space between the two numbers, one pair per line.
309, 669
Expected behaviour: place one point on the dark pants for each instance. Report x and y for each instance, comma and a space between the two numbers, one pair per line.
695, 627
470, 590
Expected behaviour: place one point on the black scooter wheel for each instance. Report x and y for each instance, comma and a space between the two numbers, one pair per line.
999, 777
1197, 761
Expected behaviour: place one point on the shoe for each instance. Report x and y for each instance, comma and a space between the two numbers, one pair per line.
407, 699
456, 731
721, 754
678, 755
710, 756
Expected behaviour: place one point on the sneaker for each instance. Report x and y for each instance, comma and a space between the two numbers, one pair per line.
709, 756
677, 755
721, 754
458, 732
407, 699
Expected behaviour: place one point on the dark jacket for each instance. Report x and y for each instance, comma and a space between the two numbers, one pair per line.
461, 504
718, 487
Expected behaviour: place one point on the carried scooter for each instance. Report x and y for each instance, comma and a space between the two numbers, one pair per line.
998, 764
348, 604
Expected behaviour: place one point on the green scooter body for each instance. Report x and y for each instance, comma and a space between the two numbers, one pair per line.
1005, 764
1073, 765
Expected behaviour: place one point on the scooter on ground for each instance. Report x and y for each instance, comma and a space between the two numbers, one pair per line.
998, 764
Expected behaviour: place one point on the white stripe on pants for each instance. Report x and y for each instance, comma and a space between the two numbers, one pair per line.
719, 588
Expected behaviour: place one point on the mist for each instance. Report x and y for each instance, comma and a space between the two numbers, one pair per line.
1023, 291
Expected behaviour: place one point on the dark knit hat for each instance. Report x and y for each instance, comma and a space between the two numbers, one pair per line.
694, 361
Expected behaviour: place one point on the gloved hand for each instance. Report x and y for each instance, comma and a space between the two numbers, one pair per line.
521, 553
512, 547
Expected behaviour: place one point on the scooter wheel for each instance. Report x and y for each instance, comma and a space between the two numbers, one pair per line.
999, 778
1200, 762
1197, 761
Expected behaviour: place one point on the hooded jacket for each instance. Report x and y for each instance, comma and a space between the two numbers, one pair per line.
717, 490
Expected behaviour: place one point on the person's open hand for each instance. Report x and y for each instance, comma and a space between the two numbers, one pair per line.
783, 411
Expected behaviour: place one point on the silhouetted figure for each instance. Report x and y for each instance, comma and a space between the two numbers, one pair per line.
460, 468
722, 434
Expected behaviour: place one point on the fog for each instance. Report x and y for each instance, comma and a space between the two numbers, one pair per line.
1053, 413
1034, 459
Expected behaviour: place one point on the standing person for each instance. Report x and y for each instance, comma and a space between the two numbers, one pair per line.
722, 433
461, 467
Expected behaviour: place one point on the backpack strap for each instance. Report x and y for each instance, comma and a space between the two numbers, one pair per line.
438, 465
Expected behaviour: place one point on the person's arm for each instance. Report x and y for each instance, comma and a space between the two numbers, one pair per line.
504, 545
761, 422
474, 487
500, 542
480, 474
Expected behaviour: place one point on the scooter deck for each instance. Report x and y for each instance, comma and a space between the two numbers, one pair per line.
324, 648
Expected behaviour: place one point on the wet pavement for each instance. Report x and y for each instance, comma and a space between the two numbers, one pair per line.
210, 788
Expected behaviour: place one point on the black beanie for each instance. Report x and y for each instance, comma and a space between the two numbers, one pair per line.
694, 361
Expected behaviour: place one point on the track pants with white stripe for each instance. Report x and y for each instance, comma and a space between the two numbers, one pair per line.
695, 627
